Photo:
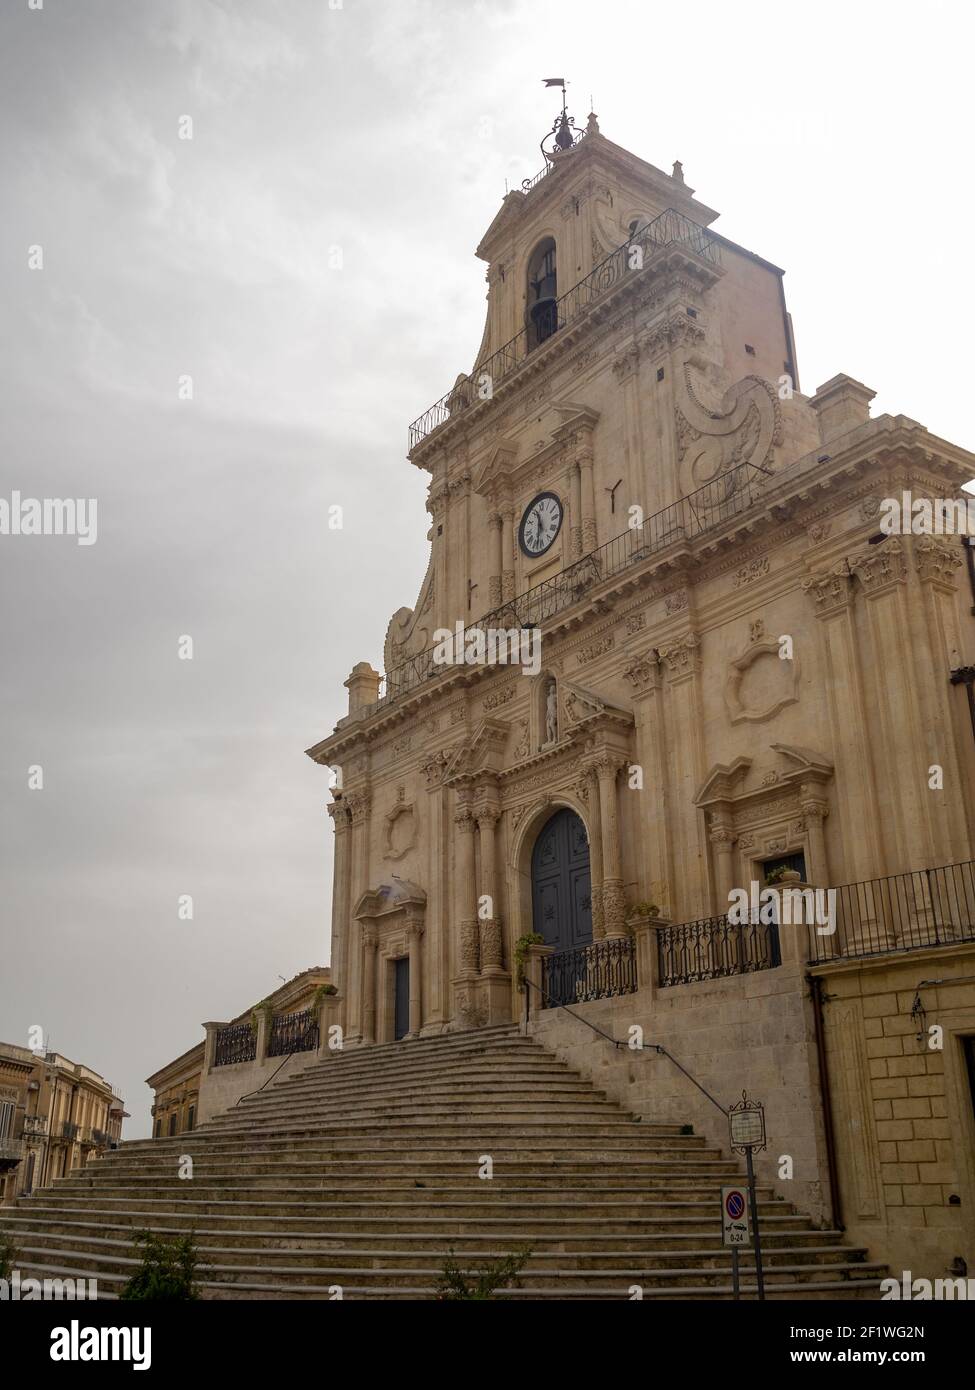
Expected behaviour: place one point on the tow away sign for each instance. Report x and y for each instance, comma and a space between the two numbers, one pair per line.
734, 1216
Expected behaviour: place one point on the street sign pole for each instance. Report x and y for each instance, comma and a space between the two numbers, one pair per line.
735, 1285
747, 1125
753, 1203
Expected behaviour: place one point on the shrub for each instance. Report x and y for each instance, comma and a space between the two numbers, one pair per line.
167, 1269
455, 1283
7, 1257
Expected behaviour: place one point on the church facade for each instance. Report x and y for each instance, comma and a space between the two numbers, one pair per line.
669, 646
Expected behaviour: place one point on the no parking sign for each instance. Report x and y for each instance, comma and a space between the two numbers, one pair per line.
734, 1216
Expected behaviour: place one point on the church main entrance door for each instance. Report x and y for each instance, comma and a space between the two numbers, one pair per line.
561, 894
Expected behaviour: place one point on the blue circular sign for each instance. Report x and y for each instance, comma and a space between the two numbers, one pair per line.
734, 1205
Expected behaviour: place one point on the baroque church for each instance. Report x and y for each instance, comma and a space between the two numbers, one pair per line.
670, 653
740, 679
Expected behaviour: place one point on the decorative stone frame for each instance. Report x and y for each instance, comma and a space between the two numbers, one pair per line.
391, 923
783, 815
758, 646
401, 808
521, 844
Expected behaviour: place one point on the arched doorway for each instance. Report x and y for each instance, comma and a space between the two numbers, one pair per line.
561, 891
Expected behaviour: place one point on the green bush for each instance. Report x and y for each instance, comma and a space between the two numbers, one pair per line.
166, 1273
7, 1257
455, 1283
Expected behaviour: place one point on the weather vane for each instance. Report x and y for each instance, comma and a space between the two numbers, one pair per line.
564, 133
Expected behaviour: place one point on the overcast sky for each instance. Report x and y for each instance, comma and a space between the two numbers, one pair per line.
835, 141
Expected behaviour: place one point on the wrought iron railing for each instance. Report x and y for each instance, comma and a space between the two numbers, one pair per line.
598, 971
630, 259
69, 1130
296, 1032
726, 496
235, 1043
712, 948
902, 912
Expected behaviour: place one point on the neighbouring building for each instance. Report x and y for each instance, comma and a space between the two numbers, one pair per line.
274, 1037
693, 657
54, 1115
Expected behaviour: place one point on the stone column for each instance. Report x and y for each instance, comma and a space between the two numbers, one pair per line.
210, 1046
614, 905
585, 461
723, 839
645, 679
532, 983
588, 789
414, 936
691, 887
341, 823
490, 925
831, 595
465, 913
329, 1014
495, 526
264, 1021
882, 572
507, 553
575, 502
358, 804
367, 1010
814, 813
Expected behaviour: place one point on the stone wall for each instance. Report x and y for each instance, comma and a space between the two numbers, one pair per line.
750, 1032
903, 1111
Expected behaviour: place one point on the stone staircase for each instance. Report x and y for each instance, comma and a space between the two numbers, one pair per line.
362, 1171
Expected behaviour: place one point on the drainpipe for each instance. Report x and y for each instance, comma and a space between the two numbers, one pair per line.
829, 1133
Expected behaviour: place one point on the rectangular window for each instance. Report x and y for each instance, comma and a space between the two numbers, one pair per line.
6, 1119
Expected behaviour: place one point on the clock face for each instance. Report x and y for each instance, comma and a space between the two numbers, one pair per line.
541, 524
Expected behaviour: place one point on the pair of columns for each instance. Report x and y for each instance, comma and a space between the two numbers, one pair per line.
481, 950
599, 788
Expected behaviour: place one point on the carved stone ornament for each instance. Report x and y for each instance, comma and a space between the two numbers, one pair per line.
772, 684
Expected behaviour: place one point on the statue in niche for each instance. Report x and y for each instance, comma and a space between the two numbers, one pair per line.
551, 713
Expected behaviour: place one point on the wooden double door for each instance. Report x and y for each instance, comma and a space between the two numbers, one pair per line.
561, 885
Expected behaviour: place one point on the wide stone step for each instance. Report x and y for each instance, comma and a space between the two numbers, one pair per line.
278, 1247
319, 1234
826, 1288
282, 1259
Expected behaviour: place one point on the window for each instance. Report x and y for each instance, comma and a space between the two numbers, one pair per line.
158, 1129
542, 318
191, 1117
6, 1119
172, 1123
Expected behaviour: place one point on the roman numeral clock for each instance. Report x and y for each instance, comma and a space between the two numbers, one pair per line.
540, 524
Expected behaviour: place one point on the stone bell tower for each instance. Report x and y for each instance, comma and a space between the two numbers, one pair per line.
629, 474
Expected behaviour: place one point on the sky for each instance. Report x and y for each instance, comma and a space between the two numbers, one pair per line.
227, 335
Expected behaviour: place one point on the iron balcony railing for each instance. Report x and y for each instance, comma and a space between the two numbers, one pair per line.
630, 259
712, 948
902, 912
726, 496
296, 1032
598, 971
235, 1043
69, 1130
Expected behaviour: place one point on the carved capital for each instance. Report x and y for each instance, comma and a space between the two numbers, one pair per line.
880, 568
683, 658
643, 673
936, 561
829, 593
